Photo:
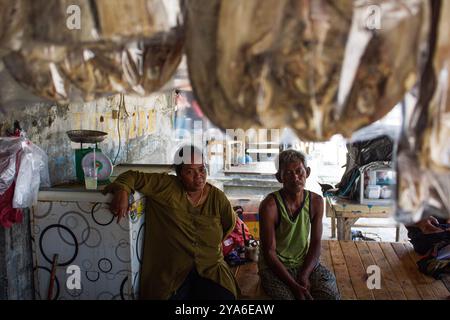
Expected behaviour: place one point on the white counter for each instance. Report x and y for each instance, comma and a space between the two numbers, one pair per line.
77, 225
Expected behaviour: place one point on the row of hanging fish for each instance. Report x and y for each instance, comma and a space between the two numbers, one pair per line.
315, 66
424, 149
320, 67
71, 50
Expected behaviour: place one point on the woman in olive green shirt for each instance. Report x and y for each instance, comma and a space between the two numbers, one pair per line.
186, 222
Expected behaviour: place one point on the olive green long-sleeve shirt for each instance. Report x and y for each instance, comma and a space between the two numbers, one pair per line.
179, 236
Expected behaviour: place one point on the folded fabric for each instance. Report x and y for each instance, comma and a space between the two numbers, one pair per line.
433, 266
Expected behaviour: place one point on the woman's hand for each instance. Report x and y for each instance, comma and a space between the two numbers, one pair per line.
119, 204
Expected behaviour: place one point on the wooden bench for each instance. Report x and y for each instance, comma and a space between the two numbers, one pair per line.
348, 260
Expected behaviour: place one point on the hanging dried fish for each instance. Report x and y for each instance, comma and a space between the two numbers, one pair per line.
68, 73
139, 67
227, 43
286, 62
12, 21
36, 69
389, 66
87, 21
308, 63
424, 151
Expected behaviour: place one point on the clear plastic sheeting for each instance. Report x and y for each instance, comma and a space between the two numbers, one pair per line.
129, 47
33, 173
424, 150
317, 66
26, 164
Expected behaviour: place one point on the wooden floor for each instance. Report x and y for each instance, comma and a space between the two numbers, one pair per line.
348, 260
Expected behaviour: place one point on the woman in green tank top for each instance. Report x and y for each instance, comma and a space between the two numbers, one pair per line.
291, 232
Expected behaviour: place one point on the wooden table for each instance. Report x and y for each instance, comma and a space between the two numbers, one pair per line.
345, 213
348, 260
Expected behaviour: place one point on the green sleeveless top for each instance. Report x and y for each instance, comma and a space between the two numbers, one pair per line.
291, 234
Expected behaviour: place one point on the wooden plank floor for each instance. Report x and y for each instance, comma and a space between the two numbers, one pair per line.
348, 260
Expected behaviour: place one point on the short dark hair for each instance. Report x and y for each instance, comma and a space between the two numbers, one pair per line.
288, 156
184, 155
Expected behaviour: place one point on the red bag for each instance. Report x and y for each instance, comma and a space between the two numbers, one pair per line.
236, 238
8, 214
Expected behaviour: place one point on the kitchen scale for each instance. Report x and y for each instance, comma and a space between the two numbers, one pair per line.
85, 156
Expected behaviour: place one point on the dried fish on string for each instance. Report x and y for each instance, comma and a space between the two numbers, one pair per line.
86, 21
424, 150
227, 43
288, 71
36, 69
88, 72
389, 66
161, 56
139, 67
307, 64
12, 21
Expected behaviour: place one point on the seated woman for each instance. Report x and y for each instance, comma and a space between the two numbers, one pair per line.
289, 265
186, 222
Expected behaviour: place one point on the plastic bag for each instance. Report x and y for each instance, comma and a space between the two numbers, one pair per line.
424, 150
9, 149
26, 164
301, 63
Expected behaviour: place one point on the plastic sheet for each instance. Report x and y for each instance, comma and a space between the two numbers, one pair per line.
312, 65
26, 164
33, 168
424, 150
